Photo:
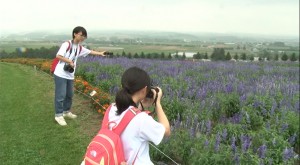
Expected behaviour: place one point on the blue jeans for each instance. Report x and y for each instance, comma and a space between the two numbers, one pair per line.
63, 95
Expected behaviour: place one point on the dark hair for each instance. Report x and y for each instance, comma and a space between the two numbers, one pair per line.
133, 79
79, 29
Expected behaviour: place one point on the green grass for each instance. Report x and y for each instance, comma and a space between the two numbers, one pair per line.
28, 131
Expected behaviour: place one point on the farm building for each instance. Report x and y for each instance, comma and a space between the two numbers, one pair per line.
187, 54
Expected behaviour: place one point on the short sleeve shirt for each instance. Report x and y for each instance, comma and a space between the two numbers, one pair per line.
59, 70
141, 130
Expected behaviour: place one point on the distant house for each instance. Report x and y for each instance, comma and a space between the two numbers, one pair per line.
205, 60
187, 54
256, 59
229, 43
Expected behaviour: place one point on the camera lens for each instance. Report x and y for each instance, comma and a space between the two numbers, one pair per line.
150, 94
68, 68
71, 70
108, 53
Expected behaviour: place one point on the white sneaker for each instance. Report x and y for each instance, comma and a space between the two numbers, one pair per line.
61, 121
70, 115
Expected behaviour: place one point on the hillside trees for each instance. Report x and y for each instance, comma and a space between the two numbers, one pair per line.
284, 57
42, 52
244, 57
218, 54
228, 56
236, 56
293, 57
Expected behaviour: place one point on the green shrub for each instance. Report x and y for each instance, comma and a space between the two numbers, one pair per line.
252, 119
230, 104
105, 85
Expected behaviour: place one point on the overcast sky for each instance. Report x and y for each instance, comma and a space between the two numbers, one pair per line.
268, 17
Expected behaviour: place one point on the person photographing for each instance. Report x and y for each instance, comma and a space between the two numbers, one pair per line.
142, 129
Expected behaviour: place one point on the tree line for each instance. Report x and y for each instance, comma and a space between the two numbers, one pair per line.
218, 54
47, 53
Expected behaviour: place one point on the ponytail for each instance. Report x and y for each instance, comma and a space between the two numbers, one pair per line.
133, 80
123, 101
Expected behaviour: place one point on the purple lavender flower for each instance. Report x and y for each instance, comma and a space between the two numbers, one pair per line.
256, 104
236, 159
243, 98
292, 139
262, 151
217, 143
287, 154
224, 134
233, 146
236, 118
264, 112
284, 127
272, 111
192, 132
246, 142
228, 88
208, 127
206, 143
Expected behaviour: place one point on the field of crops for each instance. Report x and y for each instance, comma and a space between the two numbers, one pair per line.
221, 112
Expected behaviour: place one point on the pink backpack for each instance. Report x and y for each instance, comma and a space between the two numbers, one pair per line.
56, 60
106, 147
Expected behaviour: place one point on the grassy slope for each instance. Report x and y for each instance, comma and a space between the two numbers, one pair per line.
28, 131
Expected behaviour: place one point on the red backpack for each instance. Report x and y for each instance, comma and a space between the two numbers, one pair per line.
106, 147
56, 60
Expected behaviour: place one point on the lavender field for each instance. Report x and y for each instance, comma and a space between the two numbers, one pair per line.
221, 112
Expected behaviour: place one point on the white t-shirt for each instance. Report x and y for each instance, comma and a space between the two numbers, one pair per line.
141, 129
59, 70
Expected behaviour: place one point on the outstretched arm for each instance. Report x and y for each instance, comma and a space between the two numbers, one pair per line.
96, 53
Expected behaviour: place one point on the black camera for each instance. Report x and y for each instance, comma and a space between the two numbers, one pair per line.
108, 53
150, 93
68, 68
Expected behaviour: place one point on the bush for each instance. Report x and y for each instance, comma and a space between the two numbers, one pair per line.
252, 119
227, 105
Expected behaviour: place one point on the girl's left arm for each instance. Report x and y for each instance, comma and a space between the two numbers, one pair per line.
96, 53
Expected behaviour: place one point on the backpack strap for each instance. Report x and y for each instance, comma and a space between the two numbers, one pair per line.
129, 115
69, 46
76, 52
80, 48
105, 118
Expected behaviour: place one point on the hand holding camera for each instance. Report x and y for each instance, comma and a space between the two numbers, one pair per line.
108, 53
69, 67
154, 94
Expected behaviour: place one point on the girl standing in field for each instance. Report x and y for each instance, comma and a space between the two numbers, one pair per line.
64, 73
